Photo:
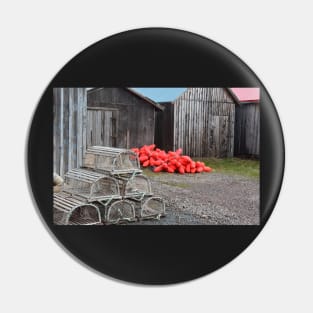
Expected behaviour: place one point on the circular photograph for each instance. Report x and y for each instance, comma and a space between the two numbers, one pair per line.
155, 156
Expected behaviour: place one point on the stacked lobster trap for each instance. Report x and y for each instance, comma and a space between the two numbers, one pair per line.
109, 189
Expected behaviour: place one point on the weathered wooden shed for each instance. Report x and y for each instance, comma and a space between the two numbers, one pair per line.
200, 121
83, 117
120, 117
247, 121
69, 128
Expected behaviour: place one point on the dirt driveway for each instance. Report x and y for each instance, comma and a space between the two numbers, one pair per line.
206, 199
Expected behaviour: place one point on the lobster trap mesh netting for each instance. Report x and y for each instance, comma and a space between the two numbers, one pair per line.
59, 217
107, 188
84, 215
81, 216
113, 160
136, 187
127, 161
68, 210
91, 185
152, 207
120, 211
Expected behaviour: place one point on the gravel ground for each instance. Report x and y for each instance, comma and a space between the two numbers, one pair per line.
206, 199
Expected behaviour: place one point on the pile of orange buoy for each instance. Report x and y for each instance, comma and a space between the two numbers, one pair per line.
171, 161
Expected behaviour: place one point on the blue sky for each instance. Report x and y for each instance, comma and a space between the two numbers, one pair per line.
161, 94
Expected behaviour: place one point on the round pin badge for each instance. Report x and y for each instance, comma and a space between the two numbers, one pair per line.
155, 156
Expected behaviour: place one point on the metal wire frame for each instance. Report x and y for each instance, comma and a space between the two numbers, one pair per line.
91, 186
63, 202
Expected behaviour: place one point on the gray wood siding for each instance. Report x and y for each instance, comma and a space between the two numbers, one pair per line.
247, 129
135, 118
102, 127
69, 128
203, 122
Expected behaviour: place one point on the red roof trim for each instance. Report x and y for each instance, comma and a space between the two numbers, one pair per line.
246, 95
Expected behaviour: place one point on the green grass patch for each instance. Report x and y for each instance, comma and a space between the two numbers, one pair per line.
243, 167
149, 173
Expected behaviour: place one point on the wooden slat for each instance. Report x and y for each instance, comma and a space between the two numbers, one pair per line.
70, 128
62, 139
108, 128
69, 122
195, 123
102, 108
56, 130
78, 128
94, 129
83, 106
247, 129
66, 139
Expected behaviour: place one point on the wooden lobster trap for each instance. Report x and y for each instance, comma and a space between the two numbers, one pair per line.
91, 186
68, 210
150, 208
113, 161
137, 187
110, 189
119, 211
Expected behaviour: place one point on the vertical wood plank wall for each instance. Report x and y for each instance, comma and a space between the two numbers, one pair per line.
203, 122
69, 128
135, 117
247, 129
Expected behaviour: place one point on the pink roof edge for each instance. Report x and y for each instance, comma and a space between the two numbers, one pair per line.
247, 94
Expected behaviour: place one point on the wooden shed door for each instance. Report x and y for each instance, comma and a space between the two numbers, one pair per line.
102, 127
219, 137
